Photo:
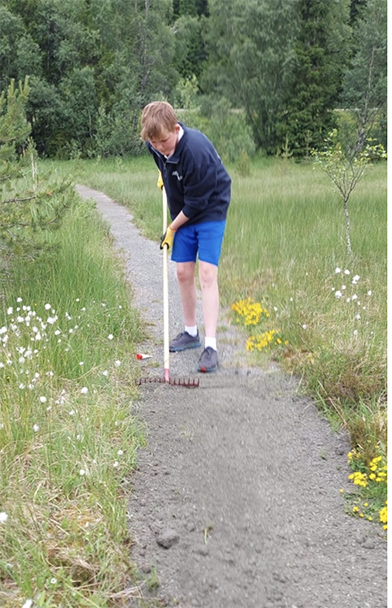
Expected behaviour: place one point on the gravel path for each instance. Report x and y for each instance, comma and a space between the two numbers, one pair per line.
236, 501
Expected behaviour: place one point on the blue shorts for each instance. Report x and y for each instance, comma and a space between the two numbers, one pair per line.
203, 240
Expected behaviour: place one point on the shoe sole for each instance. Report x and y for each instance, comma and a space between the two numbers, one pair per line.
177, 349
206, 370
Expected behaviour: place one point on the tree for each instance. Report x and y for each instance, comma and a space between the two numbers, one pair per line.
30, 204
250, 57
345, 168
19, 54
321, 53
365, 82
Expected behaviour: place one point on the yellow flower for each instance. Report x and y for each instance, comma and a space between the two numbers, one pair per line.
383, 514
355, 509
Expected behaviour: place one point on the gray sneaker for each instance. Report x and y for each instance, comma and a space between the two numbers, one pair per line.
208, 361
184, 341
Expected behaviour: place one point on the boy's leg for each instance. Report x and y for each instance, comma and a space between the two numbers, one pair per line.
208, 276
188, 294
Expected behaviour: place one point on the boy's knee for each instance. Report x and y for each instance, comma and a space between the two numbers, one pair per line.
185, 272
208, 275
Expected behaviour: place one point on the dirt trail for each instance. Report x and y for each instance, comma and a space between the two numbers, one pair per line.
236, 502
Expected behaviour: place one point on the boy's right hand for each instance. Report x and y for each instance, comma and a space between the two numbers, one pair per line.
167, 238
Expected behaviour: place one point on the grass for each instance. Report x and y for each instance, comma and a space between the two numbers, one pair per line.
285, 250
67, 435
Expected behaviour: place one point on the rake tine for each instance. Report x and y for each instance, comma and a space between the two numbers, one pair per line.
186, 383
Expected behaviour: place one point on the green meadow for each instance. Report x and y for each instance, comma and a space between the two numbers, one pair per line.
69, 334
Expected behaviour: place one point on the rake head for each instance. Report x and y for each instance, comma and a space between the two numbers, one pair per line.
186, 383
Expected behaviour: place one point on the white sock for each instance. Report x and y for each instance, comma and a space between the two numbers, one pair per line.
210, 342
192, 331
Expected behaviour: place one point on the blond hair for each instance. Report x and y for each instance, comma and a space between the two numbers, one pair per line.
158, 118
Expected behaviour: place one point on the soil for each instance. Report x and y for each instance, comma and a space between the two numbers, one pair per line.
236, 500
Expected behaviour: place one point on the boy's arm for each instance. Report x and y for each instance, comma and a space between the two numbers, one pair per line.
179, 221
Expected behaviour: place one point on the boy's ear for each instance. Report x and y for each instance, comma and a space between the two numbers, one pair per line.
177, 128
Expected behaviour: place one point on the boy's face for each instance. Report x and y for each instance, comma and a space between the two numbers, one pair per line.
167, 142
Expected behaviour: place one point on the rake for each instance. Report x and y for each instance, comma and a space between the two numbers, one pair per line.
187, 383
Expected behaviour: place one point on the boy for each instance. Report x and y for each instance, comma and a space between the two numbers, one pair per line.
198, 190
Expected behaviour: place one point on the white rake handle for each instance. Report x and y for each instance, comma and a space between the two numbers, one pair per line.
165, 295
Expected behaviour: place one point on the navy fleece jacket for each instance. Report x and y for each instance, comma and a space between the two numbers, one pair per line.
196, 181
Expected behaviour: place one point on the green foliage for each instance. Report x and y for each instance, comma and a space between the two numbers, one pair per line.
31, 205
94, 64
321, 51
250, 60
365, 81
19, 53
226, 128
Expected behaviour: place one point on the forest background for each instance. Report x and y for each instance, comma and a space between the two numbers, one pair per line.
285, 69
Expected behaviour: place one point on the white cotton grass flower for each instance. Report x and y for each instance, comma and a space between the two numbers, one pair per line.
36, 428
110, 337
48, 306
347, 272
82, 472
356, 279
338, 294
27, 604
369, 293
84, 390
3, 517
117, 363
338, 270
43, 399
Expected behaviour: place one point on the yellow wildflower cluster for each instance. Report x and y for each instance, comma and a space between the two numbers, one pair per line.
249, 312
359, 479
384, 516
373, 477
378, 473
266, 340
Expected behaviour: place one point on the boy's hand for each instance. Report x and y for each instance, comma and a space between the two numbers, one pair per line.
167, 238
160, 183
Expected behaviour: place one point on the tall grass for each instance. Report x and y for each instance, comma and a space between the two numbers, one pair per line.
67, 436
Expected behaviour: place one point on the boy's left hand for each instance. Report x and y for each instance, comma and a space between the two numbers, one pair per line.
167, 238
